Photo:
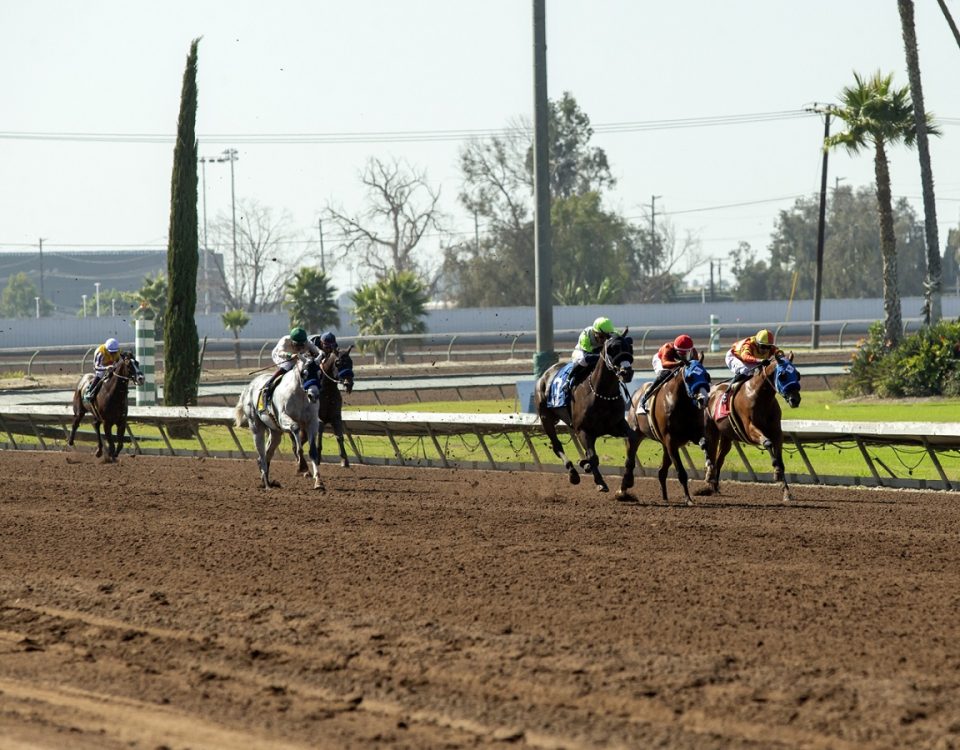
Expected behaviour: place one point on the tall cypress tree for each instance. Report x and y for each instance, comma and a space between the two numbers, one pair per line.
181, 349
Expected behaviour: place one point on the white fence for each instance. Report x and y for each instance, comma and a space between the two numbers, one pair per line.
46, 427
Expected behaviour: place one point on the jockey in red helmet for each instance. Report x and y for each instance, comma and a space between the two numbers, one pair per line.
669, 357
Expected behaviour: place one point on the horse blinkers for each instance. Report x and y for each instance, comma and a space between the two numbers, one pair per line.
788, 381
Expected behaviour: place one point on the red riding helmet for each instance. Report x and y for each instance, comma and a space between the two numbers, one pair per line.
683, 343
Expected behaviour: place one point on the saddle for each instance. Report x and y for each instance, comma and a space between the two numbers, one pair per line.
558, 396
262, 405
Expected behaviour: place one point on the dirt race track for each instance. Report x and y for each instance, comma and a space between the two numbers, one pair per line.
170, 603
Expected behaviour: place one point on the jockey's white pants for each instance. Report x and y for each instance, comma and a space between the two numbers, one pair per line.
736, 365
579, 356
657, 364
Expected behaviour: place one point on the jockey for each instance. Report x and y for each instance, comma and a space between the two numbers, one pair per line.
588, 349
327, 342
105, 357
285, 355
749, 353
668, 358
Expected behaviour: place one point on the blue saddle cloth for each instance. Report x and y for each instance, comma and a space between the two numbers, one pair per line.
557, 396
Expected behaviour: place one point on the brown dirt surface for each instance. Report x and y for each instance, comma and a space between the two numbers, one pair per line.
171, 603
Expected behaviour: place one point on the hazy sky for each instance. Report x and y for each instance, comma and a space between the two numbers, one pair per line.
114, 70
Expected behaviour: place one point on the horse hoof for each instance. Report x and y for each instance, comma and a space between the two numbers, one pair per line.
602, 488
624, 497
574, 478
345, 464
689, 503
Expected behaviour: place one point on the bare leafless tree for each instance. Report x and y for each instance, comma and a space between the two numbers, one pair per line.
387, 235
266, 256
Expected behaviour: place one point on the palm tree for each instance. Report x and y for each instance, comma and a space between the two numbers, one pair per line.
311, 300
932, 310
395, 304
880, 115
235, 321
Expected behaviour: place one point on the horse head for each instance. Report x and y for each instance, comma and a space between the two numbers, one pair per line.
618, 355
128, 367
344, 368
310, 378
787, 380
697, 381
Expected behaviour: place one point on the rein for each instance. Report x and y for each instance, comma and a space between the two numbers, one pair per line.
622, 393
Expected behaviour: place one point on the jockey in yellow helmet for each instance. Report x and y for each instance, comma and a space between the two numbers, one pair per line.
747, 354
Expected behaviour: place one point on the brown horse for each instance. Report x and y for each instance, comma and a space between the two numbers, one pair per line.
109, 404
674, 417
336, 372
754, 417
596, 406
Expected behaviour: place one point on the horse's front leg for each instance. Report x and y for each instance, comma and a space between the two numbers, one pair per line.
315, 459
715, 448
671, 454
298, 452
259, 441
775, 449
632, 441
549, 423
96, 427
591, 460
273, 442
120, 428
338, 431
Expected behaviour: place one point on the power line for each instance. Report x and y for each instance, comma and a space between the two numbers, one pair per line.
401, 136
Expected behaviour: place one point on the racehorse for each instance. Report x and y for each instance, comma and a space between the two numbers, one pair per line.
674, 417
109, 405
754, 417
336, 372
596, 406
293, 408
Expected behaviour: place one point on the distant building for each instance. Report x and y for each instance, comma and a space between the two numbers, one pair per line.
69, 274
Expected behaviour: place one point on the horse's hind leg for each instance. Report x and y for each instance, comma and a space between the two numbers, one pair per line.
549, 423
259, 442
78, 412
273, 442
591, 460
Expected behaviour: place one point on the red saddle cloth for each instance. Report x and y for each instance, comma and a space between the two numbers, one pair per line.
721, 409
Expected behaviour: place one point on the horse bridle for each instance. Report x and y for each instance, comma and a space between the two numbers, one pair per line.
611, 365
328, 376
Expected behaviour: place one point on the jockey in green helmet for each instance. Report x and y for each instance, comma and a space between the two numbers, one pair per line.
587, 351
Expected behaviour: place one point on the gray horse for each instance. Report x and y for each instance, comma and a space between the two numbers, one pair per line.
294, 409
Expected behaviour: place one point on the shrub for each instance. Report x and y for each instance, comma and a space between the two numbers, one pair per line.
924, 364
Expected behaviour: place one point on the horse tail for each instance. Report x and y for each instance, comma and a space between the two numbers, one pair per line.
240, 412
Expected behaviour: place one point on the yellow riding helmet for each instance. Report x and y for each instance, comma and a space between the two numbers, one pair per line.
603, 325
764, 337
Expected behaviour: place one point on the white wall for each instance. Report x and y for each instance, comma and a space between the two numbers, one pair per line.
501, 321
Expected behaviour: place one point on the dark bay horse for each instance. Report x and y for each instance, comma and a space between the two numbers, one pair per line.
674, 418
596, 406
336, 372
109, 405
294, 411
754, 418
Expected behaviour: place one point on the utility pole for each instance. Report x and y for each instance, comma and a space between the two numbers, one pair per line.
323, 262
543, 256
230, 155
41, 269
206, 247
821, 232
712, 292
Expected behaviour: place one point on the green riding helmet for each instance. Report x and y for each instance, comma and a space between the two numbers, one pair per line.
298, 335
603, 325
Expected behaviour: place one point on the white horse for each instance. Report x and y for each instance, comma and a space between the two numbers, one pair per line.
294, 409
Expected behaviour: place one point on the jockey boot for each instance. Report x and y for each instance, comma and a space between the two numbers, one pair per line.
92, 389
732, 383
271, 384
661, 378
577, 375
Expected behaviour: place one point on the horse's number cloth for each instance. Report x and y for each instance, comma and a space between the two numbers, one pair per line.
557, 398
722, 409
